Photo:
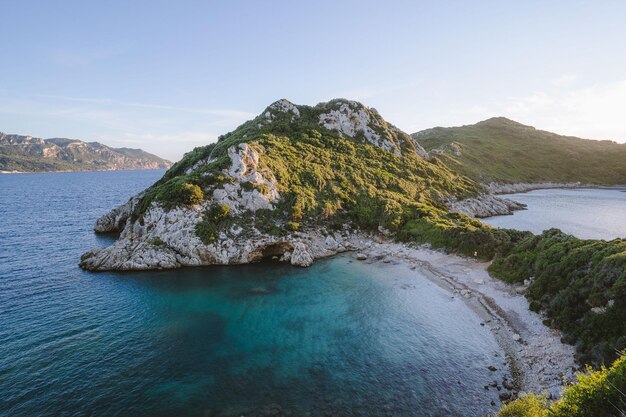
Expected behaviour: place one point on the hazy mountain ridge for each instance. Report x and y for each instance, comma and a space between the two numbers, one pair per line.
31, 154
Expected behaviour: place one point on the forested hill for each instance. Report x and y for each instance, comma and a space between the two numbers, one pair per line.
502, 150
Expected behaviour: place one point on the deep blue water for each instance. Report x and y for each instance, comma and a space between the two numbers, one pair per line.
585, 213
340, 338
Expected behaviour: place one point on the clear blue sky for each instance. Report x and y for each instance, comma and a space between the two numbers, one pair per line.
170, 75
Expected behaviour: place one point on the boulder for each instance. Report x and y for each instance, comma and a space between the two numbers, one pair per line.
301, 255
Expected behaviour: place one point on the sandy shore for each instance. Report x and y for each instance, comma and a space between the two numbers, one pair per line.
537, 360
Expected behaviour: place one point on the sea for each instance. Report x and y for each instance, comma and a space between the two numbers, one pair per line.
587, 213
341, 338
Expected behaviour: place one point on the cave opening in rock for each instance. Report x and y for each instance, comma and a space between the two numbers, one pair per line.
275, 249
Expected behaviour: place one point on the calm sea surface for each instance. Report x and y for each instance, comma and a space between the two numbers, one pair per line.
584, 213
341, 338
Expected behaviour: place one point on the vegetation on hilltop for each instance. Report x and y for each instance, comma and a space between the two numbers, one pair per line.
327, 178
600, 393
501, 150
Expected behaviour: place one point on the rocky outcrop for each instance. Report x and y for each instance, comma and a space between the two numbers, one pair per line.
244, 172
522, 187
301, 256
168, 240
115, 220
354, 120
165, 239
485, 206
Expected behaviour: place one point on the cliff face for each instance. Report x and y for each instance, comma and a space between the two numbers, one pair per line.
294, 183
29, 154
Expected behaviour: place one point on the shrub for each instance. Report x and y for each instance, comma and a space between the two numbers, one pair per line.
292, 226
217, 213
215, 218
156, 241
178, 192
595, 394
206, 232
527, 406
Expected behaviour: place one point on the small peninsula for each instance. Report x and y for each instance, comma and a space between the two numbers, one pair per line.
299, 183
29, 154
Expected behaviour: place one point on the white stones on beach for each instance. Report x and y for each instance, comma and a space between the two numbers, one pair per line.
361, 256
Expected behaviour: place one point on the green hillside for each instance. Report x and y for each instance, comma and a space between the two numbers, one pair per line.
501, 150
326, 177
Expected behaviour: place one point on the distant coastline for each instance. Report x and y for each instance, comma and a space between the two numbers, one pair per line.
86, 170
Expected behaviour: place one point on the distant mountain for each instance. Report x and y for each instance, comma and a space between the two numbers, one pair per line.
502, 150
29, 154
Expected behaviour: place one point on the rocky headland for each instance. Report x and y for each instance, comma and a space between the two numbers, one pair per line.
21, 154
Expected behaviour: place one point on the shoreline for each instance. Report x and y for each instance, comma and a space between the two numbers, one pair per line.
536, 359
2, 172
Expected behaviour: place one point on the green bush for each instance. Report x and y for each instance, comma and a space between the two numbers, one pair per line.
292, 226
217, 213
600, 393
206, 232
156, 242
215, 218
179, 192
526, 406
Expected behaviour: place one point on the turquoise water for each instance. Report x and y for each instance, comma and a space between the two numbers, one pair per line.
585, 213
340, 338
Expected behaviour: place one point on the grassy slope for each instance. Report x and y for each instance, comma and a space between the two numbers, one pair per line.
502, 150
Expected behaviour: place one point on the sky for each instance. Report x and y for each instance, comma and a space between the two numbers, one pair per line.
166, 76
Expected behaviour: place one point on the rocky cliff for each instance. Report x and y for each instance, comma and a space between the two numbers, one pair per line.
295, 183
29, 154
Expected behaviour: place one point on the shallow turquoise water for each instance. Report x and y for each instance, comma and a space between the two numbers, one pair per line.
340, 338
585, 213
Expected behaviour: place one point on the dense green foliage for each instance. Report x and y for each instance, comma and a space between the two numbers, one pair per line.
502, 150
599, 393
569, 277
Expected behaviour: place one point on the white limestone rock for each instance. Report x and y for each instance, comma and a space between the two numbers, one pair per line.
350, 119
301, 256
244, 169
501, 188
115, 220
485, 205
